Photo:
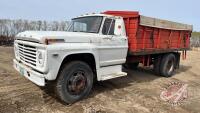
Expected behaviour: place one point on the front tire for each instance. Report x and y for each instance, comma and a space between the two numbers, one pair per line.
74, 82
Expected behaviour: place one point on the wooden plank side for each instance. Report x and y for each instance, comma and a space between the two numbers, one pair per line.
165, 24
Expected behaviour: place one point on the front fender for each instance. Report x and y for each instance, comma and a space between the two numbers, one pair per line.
58, 52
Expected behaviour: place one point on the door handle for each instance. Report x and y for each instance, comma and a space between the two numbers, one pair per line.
124, 39
107, 38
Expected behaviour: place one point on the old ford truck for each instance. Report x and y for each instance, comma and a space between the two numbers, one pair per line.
96, 47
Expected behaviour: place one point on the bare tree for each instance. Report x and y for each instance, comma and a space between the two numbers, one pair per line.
9, 28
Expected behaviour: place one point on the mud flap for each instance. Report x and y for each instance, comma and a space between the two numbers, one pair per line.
177, 60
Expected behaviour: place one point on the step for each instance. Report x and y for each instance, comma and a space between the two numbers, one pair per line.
110, 72
113, 75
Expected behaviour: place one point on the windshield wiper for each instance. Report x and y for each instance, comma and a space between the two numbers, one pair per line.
80, 31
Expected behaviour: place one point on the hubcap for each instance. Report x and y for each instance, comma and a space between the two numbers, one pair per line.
170, 66
77, 83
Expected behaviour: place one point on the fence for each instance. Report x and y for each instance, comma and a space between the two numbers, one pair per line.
195, 42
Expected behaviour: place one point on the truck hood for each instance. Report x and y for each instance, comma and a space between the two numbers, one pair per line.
40, 36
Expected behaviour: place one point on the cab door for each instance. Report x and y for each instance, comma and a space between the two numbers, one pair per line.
113, 48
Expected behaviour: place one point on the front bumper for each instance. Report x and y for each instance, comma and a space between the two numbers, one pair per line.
30, 74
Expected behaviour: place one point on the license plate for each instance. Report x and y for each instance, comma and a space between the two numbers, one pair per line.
21, 71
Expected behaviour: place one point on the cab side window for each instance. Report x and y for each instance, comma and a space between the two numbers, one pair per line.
108, 27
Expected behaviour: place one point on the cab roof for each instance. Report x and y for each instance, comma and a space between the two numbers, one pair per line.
88, 15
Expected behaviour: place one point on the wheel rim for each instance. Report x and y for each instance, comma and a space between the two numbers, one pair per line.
170, 66
77, 83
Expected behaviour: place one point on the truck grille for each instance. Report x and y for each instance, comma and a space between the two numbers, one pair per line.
27, 54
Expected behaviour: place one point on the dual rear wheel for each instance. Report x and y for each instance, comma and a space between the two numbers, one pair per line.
165, 65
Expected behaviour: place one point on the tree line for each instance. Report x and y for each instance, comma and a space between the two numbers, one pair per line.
9, 28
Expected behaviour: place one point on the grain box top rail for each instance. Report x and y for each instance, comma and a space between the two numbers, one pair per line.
165, 24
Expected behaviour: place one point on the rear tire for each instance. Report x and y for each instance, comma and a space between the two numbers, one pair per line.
74, 82
167, 65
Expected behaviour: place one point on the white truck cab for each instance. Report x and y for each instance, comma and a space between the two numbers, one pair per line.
94, 47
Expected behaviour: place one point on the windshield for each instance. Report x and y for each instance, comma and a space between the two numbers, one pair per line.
90, 24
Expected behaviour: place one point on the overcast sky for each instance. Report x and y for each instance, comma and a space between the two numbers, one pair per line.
186, 11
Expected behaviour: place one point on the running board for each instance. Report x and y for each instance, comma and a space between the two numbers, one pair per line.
111, 72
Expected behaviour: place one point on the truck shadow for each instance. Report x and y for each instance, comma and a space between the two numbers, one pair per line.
134, 76
183, 69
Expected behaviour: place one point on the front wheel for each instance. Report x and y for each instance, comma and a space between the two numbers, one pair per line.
74, 81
